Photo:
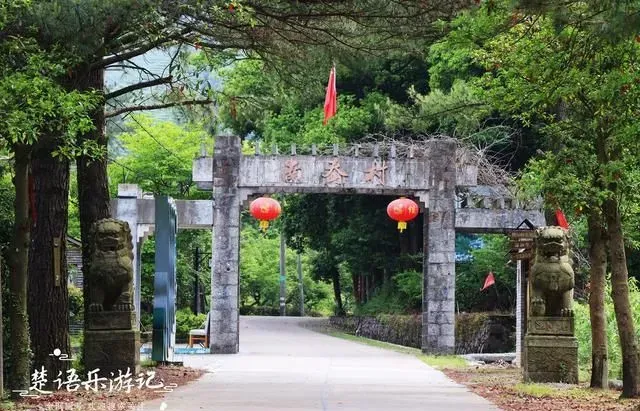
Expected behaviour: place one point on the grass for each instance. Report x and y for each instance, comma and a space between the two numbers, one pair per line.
439, 362
148, 363
6, 405
551, 391
536, 390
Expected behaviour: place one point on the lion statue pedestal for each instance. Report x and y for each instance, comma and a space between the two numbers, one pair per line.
111, 341
551, 349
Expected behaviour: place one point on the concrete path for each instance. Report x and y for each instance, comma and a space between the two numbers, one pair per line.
285, 367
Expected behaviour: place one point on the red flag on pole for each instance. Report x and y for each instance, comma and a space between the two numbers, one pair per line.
489, 281
562, 220
331, 98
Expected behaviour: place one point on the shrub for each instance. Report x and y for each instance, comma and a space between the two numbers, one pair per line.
260, 310
409, 283
146, 321
384, 300
186, 321
76, 302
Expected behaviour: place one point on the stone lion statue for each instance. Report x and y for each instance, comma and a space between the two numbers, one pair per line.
111, 268
552, 278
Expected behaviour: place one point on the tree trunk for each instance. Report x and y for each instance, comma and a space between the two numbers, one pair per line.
597, 279
48, 301
356, 291
19, 335
93, 187
621, 303
337, 291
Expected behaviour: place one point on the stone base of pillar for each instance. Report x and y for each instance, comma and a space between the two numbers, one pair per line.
224, 332
112, 351
224, 348
438, 338
551, 358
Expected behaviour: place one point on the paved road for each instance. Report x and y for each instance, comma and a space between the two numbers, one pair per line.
285, 367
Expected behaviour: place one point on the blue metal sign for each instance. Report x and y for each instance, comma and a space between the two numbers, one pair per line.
164, 283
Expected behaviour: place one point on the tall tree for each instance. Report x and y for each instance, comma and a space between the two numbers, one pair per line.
580, 87
33, 104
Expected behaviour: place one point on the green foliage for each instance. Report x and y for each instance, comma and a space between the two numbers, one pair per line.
32, 100
470, 277
186, 243
76, 301
578, 89
583, 330
459, 111
260, 275
409, 285
157, 155
77, 346
187, 321
353, 121
32, 105
384, 300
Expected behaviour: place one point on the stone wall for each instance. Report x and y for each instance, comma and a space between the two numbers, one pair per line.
396, 329
485, 333
475, 332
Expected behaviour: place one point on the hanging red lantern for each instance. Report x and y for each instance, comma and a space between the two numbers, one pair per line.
402, 210
265, 209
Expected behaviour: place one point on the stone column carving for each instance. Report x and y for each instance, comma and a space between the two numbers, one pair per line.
223, 320
438, 305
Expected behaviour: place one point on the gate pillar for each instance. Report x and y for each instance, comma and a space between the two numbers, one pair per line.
164, 282
438, 297
224, 315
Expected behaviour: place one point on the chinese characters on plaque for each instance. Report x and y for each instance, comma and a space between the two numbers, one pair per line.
334, 175
292, 171
376, 173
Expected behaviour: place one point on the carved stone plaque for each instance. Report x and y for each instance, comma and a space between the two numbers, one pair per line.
550, 325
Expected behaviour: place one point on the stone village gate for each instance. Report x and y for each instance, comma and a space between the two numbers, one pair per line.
438, 174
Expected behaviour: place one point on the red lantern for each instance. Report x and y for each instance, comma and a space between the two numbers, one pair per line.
402, 210
265, 209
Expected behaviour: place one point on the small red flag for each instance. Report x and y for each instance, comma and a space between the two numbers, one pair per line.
331, 98
489, 281
562, 220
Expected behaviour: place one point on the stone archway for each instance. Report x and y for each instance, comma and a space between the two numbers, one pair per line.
445, 184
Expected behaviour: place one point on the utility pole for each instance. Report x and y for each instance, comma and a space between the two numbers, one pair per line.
283, 278
301, 285
196, 283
